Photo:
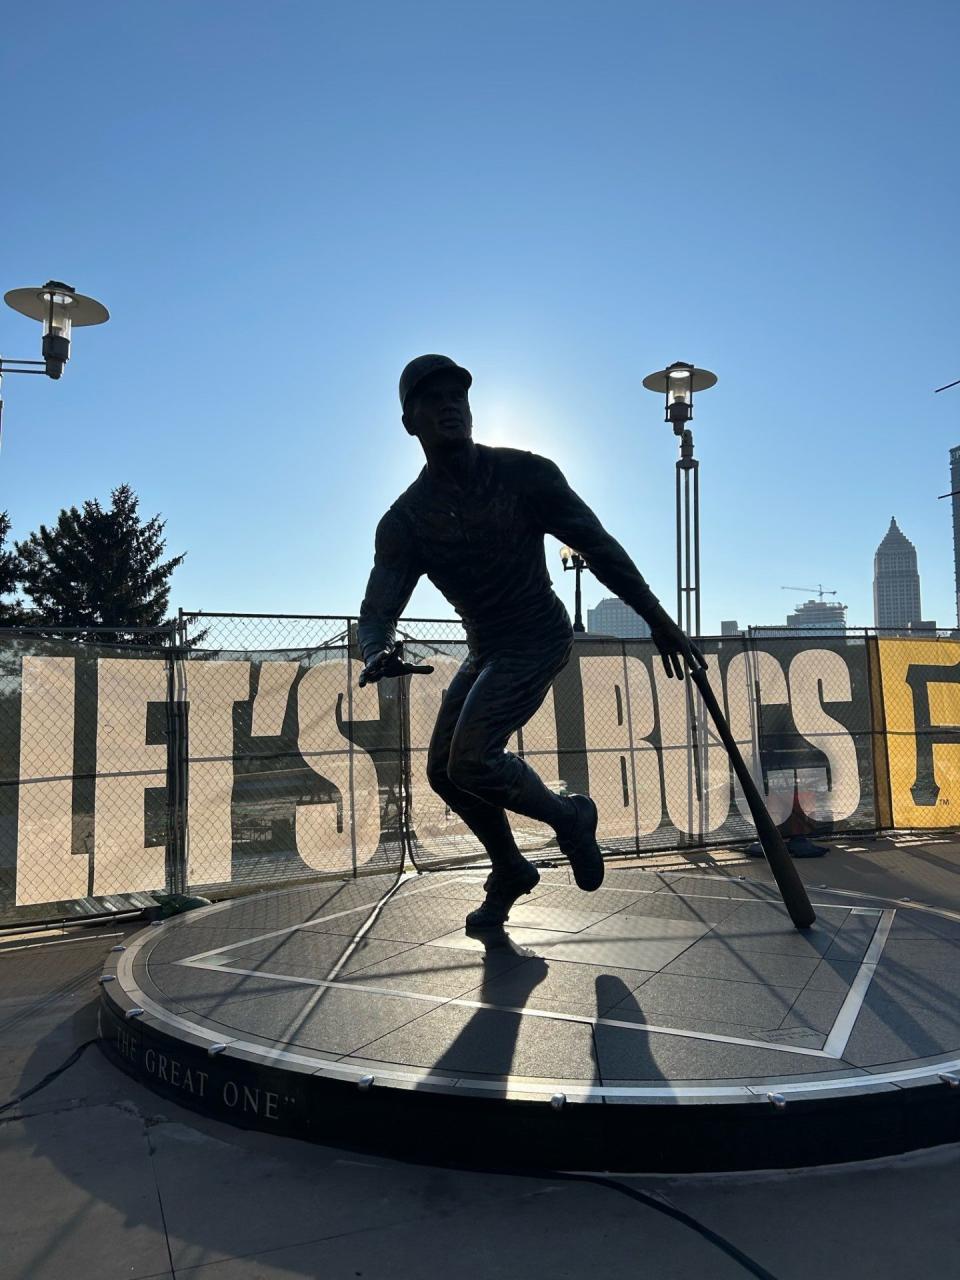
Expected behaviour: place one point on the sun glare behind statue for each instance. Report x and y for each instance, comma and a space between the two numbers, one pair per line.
516, 422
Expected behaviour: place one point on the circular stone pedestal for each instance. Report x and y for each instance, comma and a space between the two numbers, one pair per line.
669, 1021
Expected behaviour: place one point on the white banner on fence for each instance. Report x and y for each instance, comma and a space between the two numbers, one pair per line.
309, 779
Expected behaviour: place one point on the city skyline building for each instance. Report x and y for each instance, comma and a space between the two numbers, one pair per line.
611, 617
819, 615
896, 582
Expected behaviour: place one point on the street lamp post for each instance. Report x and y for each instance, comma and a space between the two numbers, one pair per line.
60, 309
678, 382
574, 560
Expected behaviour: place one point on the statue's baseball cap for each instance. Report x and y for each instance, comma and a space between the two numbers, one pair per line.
422, 367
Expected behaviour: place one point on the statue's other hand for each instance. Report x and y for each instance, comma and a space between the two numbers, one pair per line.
389, 663
383, 664
676, 648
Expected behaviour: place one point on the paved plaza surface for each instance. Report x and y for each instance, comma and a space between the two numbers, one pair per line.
103, 1177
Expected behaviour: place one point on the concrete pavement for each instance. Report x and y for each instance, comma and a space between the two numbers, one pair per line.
103, 1179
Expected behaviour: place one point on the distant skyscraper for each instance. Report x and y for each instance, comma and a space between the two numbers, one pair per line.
896, 582
955, 490
818, 615
730, 627
612, 617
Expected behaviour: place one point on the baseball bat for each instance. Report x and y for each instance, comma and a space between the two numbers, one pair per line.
784, 872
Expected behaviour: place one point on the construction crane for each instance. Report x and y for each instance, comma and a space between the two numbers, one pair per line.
818, 588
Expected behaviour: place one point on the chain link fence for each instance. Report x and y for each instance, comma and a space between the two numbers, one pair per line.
231, 752
86, 749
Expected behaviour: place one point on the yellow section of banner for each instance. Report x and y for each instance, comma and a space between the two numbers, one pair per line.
921, 704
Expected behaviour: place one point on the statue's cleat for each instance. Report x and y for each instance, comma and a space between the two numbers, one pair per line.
579, 845
503, 889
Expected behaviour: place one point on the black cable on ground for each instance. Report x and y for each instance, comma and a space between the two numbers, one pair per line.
51, 1075
678, 1215
604, 1180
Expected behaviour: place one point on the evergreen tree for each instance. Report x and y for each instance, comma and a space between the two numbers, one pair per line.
11, 612
99, 567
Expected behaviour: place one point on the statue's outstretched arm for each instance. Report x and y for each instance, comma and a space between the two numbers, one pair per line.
394, 575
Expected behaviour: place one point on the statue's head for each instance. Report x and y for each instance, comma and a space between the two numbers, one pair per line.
436, 408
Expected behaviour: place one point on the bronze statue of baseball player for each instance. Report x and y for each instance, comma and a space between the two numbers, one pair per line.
474, 521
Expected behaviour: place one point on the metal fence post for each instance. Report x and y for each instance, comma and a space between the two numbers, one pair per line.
631, 773
350, 632
177, 763
882, 796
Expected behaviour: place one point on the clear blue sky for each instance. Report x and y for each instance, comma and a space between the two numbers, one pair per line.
282, 203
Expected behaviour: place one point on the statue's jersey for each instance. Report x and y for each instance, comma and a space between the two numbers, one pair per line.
483, 550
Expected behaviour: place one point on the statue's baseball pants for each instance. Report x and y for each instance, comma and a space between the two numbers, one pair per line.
489, 698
